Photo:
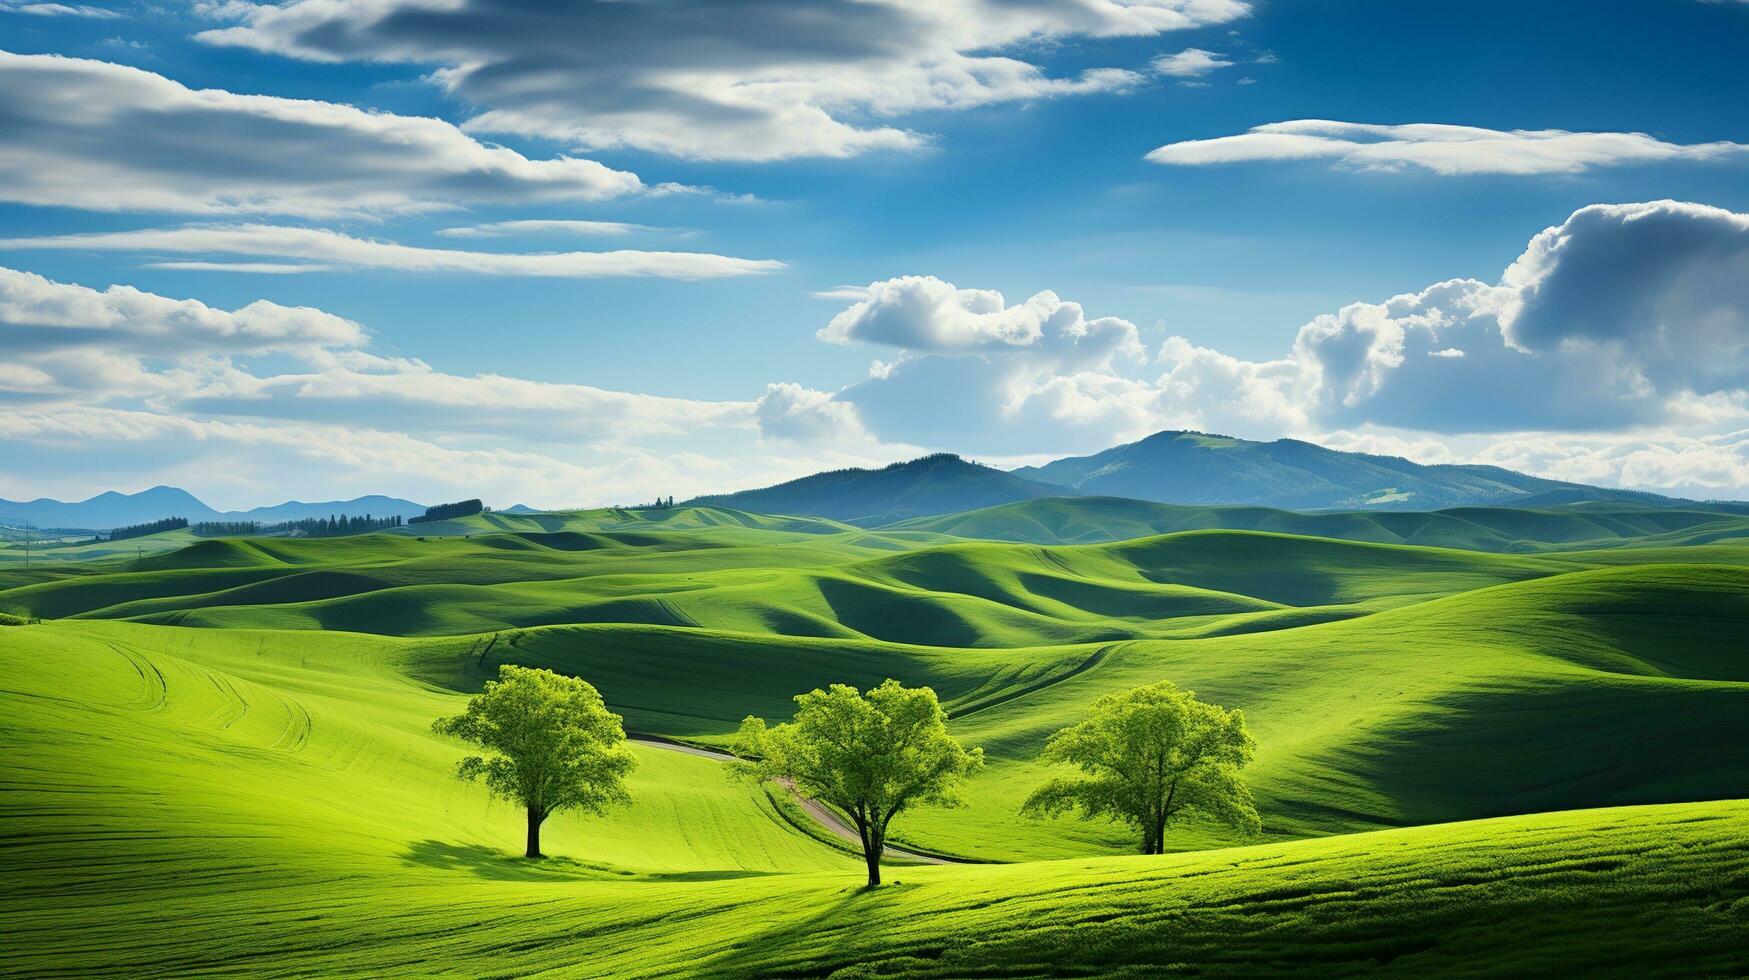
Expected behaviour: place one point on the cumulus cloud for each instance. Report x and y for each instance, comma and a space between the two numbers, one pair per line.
1443, 149
705, 79
1190, 63
978, 374
799, 414
71, 341
923, 314
40, 317
1702, 467
1666, 283
106, 137
336, 249
1623, 317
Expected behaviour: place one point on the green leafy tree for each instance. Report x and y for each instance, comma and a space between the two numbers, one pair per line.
871, 755
1148, 756
553, 744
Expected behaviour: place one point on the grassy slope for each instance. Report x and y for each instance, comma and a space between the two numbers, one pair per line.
229, 783
966, 595
193, 857
1090, 520
1019, 639
686, 517
1589, 689
13, 554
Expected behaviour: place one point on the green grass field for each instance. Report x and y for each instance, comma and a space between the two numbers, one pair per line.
217, 760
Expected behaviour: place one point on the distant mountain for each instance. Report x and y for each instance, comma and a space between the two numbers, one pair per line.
1196, 468
939, 484
112, 509
376, 505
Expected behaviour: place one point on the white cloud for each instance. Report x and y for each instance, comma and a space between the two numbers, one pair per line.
59, 10
1623, 315
923, 314
119, 388
705, 79
1703, 467
1630, 317
331, 247
1666, 283
1190, 63
106, 137
38, 314
408, 393
1443, 149
499, 229
257, 268
796, 413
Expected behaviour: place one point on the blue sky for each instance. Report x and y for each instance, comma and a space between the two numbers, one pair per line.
799, 152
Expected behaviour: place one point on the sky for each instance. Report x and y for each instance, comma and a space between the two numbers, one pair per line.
609, 250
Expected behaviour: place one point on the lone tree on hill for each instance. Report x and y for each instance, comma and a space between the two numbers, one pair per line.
870, 755
555, 745
1150, 755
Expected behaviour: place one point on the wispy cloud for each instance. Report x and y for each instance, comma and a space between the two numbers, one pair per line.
106, 137
1443, 149
712, 80
59, 10
332, 247
501, 229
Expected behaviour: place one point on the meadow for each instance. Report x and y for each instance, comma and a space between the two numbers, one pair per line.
218, 758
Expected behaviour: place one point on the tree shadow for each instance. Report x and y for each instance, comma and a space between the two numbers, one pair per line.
487, 862
849, 912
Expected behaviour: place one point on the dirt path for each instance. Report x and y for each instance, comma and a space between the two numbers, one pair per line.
819, 811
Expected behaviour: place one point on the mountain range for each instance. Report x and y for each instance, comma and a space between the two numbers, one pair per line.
1171, 467
938, 484
1197, 468
113, 509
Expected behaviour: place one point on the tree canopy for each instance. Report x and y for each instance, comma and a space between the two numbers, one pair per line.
1150, 755
553, 744
870, 755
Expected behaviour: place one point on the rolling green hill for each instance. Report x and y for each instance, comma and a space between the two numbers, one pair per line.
682, 518
220, 761
783, 583
939, 484
1198, 468
1086, 520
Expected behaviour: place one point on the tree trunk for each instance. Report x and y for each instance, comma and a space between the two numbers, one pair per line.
534, 821
1154, 838
871, 852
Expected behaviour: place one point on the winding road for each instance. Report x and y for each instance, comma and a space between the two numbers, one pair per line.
819, 811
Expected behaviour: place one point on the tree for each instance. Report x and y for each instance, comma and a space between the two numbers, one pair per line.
1150, 755
555, 745
870, 755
